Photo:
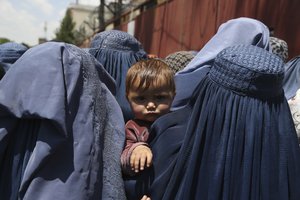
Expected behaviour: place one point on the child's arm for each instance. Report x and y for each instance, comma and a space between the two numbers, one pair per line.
134, 138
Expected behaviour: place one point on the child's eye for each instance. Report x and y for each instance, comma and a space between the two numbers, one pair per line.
140, 98
161, 97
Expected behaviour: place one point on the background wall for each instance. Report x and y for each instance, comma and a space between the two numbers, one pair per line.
189, 24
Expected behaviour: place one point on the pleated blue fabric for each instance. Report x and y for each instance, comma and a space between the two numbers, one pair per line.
234, 140
117, 51
61, 129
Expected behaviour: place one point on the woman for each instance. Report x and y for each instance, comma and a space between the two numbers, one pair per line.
291, 85
10, 52
117, 51
61, 130
233, 32
234, 140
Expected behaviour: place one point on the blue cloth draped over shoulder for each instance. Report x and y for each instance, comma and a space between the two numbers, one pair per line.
234, 140
61, 129
117, 51
233, 32
10, 52
291, 81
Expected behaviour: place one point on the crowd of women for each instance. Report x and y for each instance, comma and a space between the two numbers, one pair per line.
231, 133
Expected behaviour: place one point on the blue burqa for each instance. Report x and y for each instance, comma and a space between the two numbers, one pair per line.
61, 129
238, 31
117, 51
234, 140
10, 52
291, 81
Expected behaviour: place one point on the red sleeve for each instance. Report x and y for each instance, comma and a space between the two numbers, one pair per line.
135, 135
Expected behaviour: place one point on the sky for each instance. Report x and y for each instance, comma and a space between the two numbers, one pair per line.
24, 21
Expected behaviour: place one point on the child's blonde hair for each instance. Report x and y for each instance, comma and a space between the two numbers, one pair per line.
150, 73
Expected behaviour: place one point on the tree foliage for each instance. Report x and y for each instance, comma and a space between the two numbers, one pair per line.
4, 40
80, 35
66, 32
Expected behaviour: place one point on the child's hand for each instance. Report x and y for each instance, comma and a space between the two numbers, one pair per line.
140, 158
145, 198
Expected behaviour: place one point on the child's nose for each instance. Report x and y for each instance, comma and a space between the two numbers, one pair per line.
150, 105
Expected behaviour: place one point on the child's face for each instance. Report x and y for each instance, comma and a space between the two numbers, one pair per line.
150, 104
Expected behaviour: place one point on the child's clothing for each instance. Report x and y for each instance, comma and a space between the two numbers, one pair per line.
136, 134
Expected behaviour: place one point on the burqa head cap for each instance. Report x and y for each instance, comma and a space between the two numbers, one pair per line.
117, 40
179, 60
279, 47
249, 70
10, 52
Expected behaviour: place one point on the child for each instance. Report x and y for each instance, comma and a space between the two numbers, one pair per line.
150, 89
